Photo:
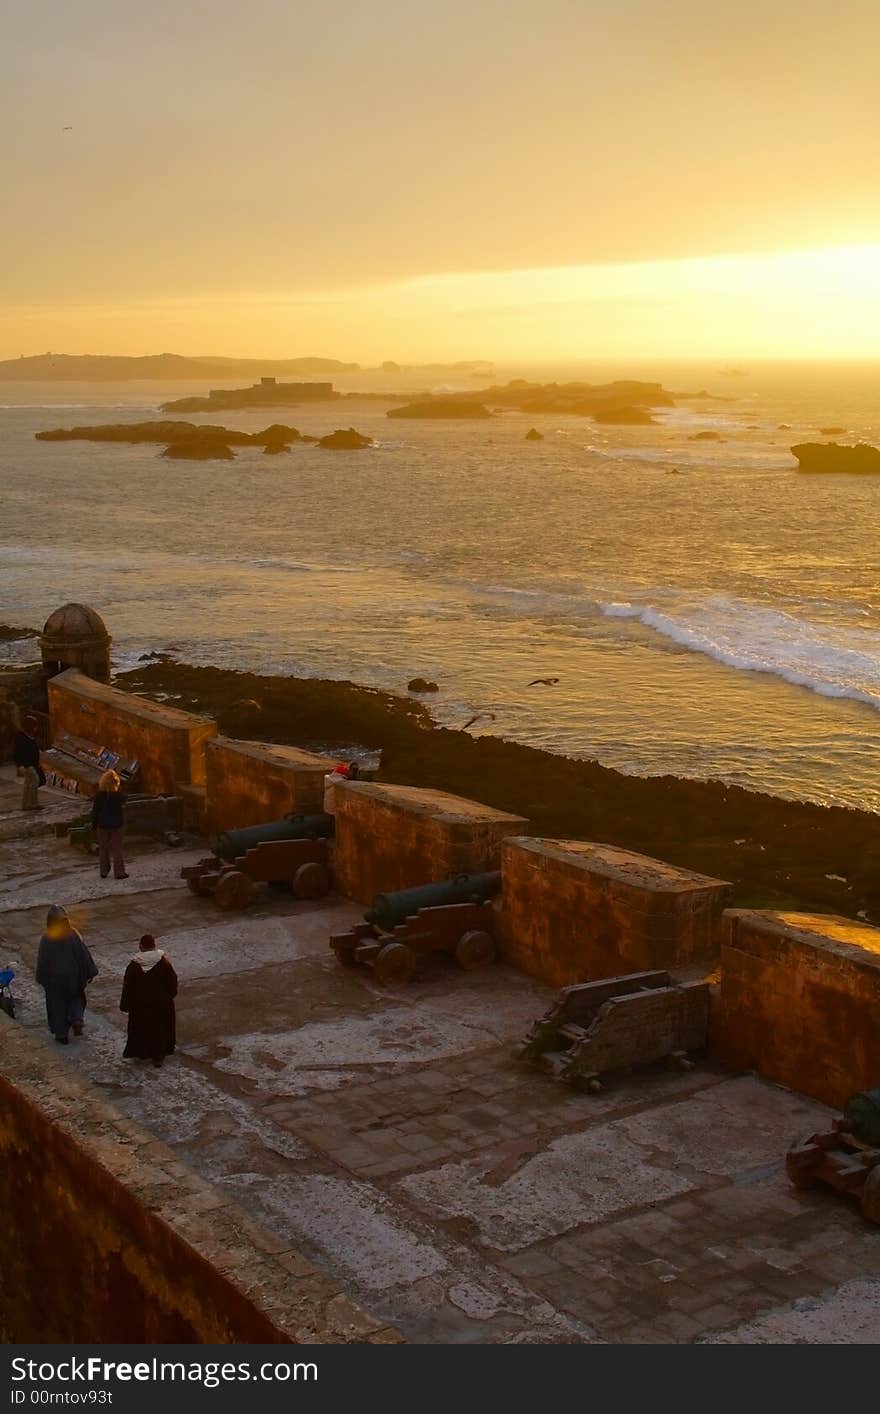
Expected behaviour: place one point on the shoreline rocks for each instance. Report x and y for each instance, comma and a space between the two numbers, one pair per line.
700, 825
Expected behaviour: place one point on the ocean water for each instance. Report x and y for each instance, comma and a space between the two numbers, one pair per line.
708, 611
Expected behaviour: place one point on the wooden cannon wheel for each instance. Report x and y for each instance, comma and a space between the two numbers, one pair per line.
234, 890
395, 963
475, 948
871, 1196
311, 881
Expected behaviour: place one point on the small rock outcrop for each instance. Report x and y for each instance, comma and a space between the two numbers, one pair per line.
831, 431
705, 437
533, 435
860, 459
345, 439
278, 434
422, 685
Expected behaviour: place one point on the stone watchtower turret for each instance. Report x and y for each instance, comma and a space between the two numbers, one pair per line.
75, 636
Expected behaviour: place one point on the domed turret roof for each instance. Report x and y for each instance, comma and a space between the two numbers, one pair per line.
74, 622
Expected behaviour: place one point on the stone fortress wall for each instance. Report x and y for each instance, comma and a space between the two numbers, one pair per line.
124, 1243
795, 997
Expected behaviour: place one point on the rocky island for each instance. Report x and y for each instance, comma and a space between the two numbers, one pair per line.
860, 459
189, 441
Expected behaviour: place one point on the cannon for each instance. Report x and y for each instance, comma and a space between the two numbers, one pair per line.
454, 916
846, 1157
636, 1019
292, 851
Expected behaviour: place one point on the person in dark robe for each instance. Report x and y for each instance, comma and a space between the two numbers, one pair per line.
65, 967
148, 991
26, 756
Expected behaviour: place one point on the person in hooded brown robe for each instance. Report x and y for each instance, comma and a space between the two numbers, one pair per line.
148, 991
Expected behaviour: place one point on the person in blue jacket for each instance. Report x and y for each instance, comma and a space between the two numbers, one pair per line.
65, 967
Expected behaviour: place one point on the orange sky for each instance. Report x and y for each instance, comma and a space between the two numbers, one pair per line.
407, 180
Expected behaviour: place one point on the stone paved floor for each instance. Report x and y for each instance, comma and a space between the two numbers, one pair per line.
388, 1134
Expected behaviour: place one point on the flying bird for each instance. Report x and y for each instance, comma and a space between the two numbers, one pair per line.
68, 128
543, 682
490, 716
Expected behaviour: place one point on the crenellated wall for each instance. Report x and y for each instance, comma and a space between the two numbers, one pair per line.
395, 837
799, 995
800, 1001
577, 912
111, 1239
168, 743
250, 782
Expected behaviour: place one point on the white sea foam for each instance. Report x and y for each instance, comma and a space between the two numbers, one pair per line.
829, 660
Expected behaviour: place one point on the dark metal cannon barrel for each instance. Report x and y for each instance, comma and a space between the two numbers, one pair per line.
231, 844
390, 909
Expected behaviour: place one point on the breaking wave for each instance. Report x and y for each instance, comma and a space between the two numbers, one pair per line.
829, 660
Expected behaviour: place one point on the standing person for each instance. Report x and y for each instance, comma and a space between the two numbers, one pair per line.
343, 772
108, 822
64, 969
26, 755
148, 991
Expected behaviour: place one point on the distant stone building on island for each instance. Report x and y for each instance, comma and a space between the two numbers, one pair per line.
267, 393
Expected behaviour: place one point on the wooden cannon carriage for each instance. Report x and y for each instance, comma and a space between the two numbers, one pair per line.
596, 1027
294, 851
847, 1157
454, 917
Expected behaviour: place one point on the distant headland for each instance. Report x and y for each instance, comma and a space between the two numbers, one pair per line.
164, 367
